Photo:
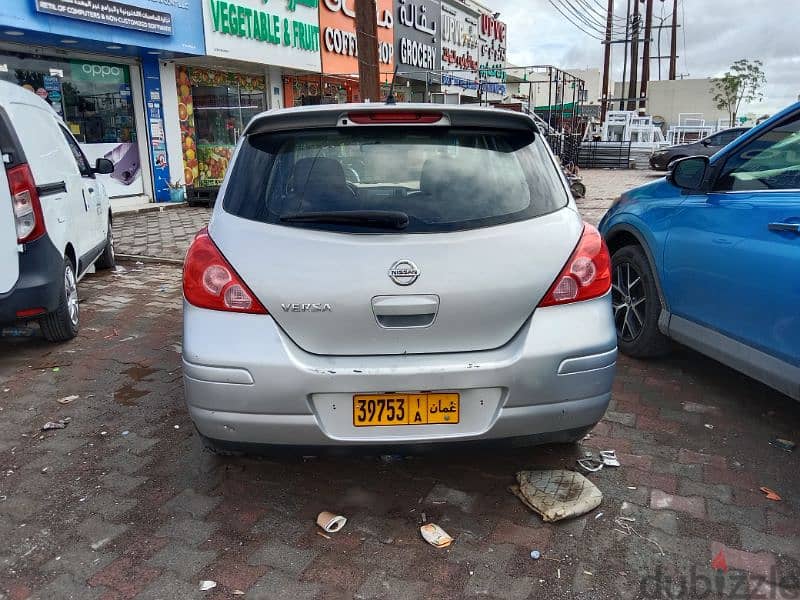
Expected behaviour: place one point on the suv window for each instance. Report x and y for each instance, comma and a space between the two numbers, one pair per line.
443, 179
769, 162
80, 158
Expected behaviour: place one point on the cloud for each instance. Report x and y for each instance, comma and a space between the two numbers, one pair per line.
716, 34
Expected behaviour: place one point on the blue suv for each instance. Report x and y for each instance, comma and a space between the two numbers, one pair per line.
710, 256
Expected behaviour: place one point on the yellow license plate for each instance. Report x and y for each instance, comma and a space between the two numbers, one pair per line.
405, 409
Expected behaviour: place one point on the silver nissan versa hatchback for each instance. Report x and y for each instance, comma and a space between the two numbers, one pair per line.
385, 275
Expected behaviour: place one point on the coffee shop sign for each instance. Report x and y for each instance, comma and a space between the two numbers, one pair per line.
345, 43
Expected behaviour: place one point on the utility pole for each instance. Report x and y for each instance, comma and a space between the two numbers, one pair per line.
606, 62
632, 92
648, 27
673, 51
625, 60
367, 44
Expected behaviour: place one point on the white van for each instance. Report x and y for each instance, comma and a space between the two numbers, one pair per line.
55, 216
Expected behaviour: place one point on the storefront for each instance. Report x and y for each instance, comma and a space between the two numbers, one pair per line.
96, 64
213, 108
339, 51
251, 46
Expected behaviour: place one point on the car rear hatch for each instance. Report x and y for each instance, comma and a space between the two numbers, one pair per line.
361, 237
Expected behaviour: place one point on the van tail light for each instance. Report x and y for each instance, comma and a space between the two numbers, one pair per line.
27, 207
587, 273
209, 281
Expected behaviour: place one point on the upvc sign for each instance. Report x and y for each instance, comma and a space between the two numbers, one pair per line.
492, 35
284, 33
109, 12
460, 48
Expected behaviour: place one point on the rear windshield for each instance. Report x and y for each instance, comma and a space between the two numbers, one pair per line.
443, 179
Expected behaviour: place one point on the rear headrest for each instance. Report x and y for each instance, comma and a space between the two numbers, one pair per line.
311, 174
436, 175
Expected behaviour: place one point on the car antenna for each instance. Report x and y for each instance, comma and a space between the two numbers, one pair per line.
390, 99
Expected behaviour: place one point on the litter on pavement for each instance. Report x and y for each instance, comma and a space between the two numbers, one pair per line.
535, 554
785, 445
435, 535
67, 399
771, 494
207, 584
589, 464
60, 424
331, 522
557, 494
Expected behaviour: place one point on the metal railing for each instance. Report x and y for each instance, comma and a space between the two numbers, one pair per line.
605, 155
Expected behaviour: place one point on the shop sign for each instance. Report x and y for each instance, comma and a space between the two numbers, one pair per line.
417, 39
339, 47
492, 54
281, 32
109, 12
460, 48
101, 72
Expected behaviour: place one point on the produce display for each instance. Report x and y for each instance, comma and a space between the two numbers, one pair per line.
208, 145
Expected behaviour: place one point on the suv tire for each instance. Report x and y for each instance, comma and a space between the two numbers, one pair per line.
637, 304
62, 324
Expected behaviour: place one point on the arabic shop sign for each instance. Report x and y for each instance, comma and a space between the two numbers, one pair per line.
492, 35
417, 48
108, 12
281, 32
339, 47
460, 48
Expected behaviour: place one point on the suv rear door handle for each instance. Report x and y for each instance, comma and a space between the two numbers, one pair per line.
790, 227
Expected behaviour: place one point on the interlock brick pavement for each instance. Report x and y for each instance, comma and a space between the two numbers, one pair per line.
124, 503
167, 234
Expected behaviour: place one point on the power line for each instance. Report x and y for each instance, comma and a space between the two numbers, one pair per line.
601, 11
592, 35
593, 25
683, 26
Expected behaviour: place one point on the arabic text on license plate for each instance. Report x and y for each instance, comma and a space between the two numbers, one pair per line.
405, 409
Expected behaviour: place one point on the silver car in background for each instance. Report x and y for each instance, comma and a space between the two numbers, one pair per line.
387, 275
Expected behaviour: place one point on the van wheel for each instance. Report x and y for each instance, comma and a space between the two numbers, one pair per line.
636, 304
108, 259
62, 324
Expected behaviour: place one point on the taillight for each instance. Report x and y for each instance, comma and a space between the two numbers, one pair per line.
209, 281
27, 208
393, 116
587, 273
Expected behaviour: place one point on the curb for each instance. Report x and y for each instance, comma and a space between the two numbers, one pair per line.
149, 259
152, 207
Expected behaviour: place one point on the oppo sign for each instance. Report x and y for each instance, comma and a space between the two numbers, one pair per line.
99, 72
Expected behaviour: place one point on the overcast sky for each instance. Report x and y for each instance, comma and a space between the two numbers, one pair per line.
718, 32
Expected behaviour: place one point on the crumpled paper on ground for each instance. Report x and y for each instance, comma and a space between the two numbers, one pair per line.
556, 494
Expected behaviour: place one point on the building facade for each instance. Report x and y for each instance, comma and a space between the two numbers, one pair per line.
165, 88
96, 64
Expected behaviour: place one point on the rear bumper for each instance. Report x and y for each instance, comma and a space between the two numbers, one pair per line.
39, 283
247, 382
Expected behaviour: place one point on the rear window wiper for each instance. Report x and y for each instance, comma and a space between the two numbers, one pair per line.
389, 219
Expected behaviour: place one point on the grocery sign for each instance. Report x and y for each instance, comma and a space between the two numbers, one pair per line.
284, 33
417, 47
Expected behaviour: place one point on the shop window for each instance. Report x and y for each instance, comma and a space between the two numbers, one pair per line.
214, 108
95, 101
